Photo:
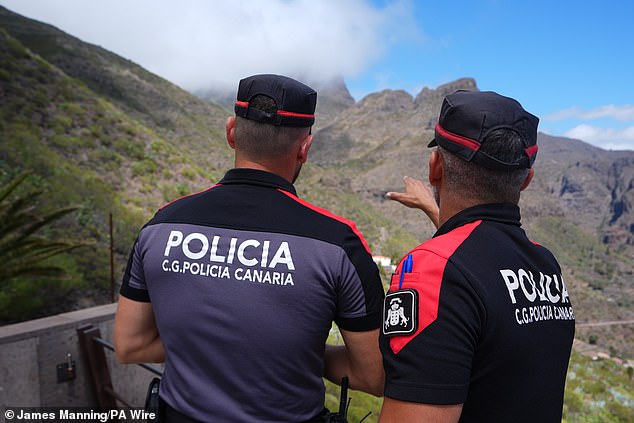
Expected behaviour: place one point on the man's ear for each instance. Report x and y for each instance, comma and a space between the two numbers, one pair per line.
529, 178
230, 127
302, 154
435, 168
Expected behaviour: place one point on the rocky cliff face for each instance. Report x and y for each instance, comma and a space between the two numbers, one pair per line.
593, 187
384, 136
620, 182
381, 122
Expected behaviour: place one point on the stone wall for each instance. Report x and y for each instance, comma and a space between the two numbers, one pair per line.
30, 352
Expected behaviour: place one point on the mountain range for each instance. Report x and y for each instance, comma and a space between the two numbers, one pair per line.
103, 133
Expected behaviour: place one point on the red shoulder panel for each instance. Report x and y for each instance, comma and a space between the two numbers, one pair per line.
430, 259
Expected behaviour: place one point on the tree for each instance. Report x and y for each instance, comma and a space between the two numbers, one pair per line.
23, 253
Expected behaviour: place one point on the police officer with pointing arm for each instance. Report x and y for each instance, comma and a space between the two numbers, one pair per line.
236, 287
478, 325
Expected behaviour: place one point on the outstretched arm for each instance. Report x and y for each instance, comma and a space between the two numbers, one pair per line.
417, 195
359, 359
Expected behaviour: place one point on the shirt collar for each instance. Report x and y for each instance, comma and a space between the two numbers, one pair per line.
503, 212
256, 177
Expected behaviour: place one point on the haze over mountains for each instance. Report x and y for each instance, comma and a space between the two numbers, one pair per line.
103, 133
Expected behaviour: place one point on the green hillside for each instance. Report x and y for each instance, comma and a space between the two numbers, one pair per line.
86, 151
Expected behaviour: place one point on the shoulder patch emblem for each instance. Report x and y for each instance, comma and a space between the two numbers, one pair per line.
400, 310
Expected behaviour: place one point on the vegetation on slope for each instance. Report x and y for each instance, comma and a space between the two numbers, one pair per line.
600, 391
30, 258
84, 151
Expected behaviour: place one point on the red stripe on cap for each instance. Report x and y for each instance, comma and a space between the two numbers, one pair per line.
293, 114
327, 213
531, 151
458, 139
430, 260
280, 112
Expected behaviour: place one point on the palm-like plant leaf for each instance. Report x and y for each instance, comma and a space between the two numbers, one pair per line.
22, 253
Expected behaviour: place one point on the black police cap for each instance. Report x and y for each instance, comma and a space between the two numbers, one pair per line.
467, 117
295, 102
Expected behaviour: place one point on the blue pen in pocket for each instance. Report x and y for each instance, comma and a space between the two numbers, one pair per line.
408, 264
400, 307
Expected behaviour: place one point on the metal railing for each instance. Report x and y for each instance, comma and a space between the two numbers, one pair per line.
147, 367
92, 346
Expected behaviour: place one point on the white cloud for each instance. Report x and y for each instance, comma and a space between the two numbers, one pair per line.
211, 44
607, 138
612, 135
623, 113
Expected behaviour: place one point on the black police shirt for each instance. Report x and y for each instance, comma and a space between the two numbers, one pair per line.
479, 315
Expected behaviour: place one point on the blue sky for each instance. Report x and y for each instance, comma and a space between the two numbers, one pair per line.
569, 62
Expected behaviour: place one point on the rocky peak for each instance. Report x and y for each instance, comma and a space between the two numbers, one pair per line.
333, 98
433, 96
387, 101
334, 90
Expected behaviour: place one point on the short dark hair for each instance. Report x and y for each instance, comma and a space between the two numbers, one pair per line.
258, 139
482, 184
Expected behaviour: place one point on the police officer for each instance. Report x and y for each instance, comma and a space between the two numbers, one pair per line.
236, 287
488, 323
